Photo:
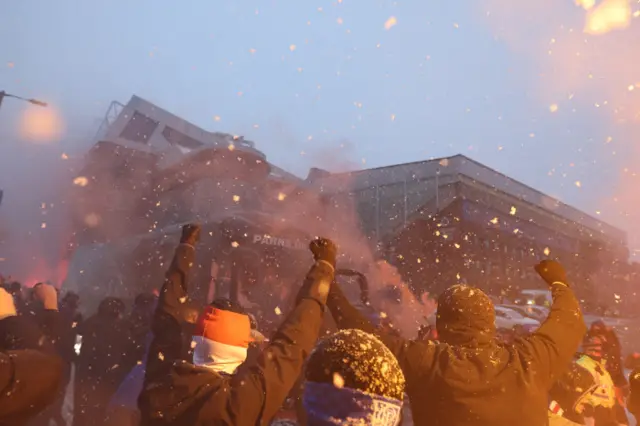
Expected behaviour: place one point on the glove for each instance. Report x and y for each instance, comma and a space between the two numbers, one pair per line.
325, 250
190, 234
46, 294
318, 282
190, 315
552, 272
7, 305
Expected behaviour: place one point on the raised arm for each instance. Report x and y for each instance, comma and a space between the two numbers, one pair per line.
415, 358
267, 383
174, 314
551, 348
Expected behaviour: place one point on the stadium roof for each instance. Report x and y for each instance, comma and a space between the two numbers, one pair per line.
462, 166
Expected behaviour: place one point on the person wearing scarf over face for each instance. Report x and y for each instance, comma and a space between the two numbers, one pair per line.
352, 379
192, 375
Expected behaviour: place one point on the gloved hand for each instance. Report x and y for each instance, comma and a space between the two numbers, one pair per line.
7, 305
325, 250
190, 234
318, 282
191, 314
46, 294
552, 272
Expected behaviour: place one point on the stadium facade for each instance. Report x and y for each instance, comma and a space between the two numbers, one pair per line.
440, 221
455, 220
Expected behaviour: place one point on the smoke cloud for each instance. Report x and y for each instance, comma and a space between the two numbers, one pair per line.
586, 60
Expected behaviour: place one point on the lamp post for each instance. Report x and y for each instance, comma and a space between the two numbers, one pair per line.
4, 94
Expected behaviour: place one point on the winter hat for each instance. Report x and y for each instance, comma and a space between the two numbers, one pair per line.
465, 316
593, 345
145, 301
111, 307
7, 305
352, 378
221, 337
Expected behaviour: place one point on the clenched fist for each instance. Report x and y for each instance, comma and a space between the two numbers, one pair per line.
552, 272
324, 249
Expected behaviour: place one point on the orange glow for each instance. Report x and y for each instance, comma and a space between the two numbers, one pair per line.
586, 4
608, 16
390, 23
41, 125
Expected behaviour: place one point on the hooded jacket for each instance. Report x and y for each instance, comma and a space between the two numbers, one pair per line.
469, 378
176, 392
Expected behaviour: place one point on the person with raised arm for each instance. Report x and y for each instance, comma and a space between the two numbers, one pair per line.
468, 377
192, 375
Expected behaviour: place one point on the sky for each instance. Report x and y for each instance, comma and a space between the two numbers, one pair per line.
533, 89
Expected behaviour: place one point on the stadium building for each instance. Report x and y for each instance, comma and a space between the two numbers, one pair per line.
456, 220
440, 221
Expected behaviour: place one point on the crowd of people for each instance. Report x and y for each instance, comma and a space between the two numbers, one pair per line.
170, 362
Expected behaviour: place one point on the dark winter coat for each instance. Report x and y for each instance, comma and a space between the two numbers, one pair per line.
38, 331
178, 393
30, 370
99, 367
480, 381
29, 381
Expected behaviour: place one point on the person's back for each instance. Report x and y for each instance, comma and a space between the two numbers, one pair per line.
205, 386
474, 379
469, 378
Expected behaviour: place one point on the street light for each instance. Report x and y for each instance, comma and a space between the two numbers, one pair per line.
4, 94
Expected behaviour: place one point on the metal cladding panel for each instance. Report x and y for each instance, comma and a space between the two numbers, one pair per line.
495, 220
501, 182
459, 165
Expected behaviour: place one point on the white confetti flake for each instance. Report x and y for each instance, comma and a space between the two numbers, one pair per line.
81, 181
338, 381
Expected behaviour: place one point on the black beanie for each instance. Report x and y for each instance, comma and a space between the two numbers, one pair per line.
465, 316
356, 360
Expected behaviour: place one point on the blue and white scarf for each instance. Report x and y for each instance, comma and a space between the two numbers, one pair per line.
326, 404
